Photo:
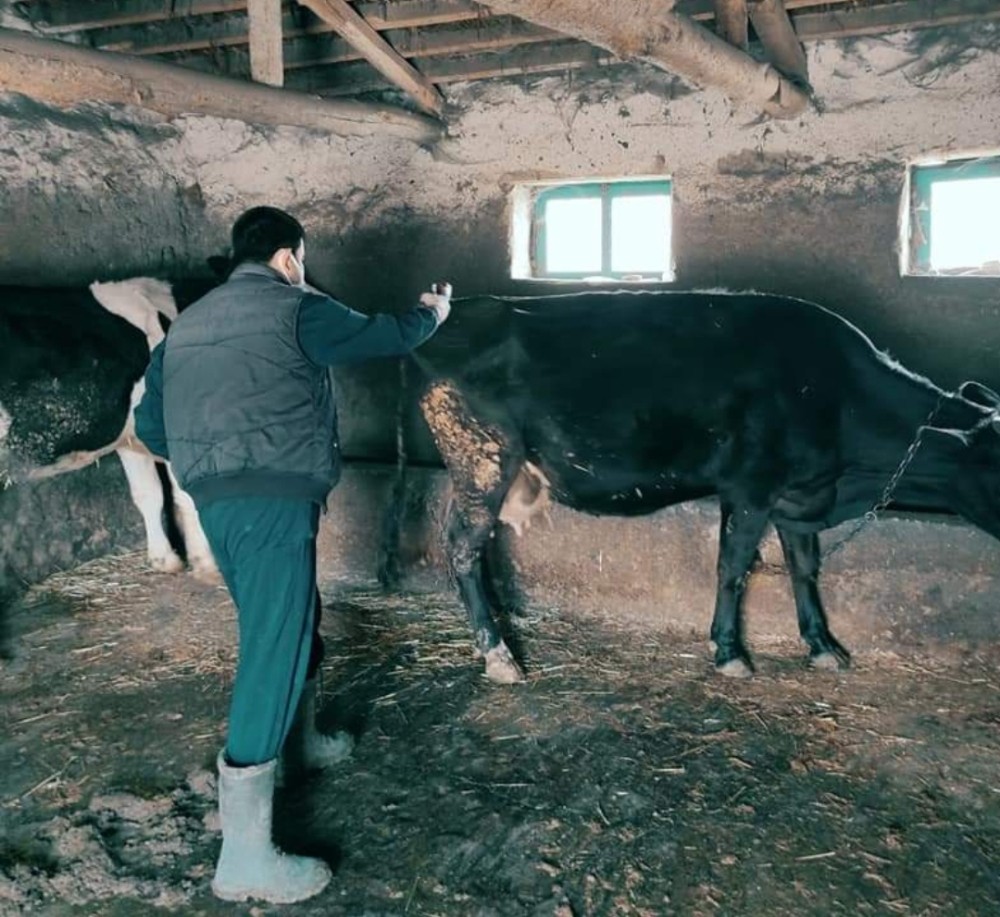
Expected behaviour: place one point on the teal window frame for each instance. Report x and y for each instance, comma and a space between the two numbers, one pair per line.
607, 192
922, 181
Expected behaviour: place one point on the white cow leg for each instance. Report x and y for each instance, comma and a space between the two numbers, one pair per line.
199, 552
147, 494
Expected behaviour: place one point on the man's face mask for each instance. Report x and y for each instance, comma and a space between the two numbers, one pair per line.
297, 276
293, 266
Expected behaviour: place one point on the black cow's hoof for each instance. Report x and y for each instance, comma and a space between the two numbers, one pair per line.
830, 662
502, 667
735, 668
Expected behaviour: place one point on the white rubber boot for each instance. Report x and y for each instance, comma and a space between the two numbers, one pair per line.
306, 748
250, 866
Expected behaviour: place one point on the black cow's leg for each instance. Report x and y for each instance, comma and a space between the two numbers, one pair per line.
740, 532
466, 541
802, 559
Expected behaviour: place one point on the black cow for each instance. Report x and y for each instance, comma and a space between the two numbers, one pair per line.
71, 368
623, 403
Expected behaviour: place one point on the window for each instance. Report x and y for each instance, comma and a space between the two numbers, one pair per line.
953, 224
614, 230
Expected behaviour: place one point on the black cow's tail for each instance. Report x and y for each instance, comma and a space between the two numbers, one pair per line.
389, 570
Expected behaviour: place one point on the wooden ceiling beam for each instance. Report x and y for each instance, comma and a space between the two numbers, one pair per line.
61, 74
353, 27
777, 37
266, 45
731, 22
640, 30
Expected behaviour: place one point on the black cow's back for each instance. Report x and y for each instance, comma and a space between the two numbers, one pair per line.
632, 401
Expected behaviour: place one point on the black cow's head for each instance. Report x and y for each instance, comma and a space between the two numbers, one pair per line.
972, 456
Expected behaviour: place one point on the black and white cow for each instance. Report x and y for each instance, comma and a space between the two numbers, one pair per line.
623, 403
71, 368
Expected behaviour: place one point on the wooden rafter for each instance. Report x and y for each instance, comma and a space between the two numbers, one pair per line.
669, 41
62, 74
777, 36
377, 51
266, 47
731, 23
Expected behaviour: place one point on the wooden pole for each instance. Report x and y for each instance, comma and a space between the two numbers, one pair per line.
777, 35
266, 53
731, 23
63, 75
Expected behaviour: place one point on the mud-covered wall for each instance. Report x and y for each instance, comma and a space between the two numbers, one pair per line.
807, 207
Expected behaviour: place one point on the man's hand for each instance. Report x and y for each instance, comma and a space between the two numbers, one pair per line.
438, 300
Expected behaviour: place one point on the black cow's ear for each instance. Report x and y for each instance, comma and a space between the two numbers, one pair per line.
955, 439
979, 394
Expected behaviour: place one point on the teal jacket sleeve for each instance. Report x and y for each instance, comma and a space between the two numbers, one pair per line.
330, 333
149, 426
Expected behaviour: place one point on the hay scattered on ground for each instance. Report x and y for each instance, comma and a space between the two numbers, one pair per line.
624, 777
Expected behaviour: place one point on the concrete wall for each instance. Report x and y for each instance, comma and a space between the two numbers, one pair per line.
806, 207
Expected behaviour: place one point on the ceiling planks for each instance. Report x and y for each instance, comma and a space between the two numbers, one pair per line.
443, 41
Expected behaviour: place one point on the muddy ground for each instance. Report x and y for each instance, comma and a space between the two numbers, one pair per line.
623, 778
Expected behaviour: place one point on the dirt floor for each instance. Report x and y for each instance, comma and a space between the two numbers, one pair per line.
623, 778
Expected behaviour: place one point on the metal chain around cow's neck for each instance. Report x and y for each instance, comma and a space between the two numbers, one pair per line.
890, 488
883, 501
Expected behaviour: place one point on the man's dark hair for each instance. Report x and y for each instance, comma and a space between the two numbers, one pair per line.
261, 231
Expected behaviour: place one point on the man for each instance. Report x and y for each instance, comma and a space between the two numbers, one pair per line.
239, 398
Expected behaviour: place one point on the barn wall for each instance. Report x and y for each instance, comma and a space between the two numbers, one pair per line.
806, 207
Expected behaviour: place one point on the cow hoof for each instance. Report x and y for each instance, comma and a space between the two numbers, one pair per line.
501, 667
735, 668
167, 563
827, 662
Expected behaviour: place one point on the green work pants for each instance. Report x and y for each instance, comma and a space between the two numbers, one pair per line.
266, 552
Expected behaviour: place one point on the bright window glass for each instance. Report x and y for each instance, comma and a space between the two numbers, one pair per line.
617, 230
573, 237
640, 234
954, 220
